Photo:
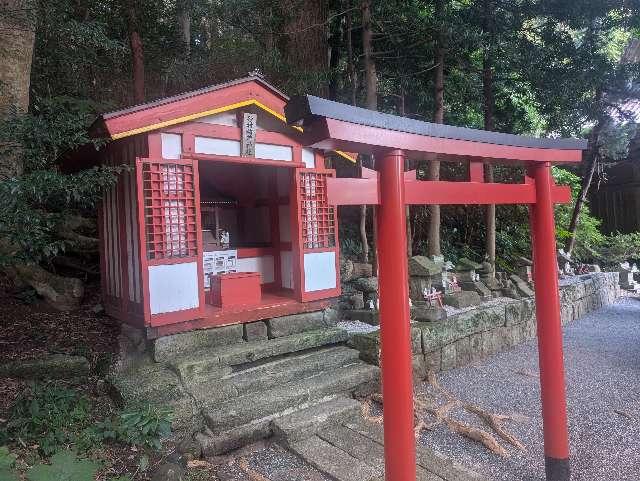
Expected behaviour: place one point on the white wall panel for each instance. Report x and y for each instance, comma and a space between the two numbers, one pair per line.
286, 269
274, 152
171, 146
309, 158
173, 287
319, 271
208, 145
264, 265
223, 118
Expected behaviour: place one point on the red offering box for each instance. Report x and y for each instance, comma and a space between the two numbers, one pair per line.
235, 289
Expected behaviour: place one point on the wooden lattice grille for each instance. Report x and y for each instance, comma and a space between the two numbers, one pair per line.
169, 209
317, 216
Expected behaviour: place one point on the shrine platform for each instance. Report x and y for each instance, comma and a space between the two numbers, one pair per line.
272, 304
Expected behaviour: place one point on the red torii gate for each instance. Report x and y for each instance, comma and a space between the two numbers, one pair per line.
335, 126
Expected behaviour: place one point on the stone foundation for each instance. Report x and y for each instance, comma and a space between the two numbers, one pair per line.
474, 334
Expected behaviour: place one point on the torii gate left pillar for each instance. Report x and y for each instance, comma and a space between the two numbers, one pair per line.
395, 331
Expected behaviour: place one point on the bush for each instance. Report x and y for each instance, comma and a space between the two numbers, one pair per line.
52, 416
620, 248
48, 415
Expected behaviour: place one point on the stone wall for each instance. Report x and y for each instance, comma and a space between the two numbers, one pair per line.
497, 326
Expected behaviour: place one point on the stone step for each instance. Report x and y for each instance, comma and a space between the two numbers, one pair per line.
252, 406
333, 408
261, 376
221, 358
333, 461
307, 422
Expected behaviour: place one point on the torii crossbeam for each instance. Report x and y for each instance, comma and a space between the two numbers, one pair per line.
335, 126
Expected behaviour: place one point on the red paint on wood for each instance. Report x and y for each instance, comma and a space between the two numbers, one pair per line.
552, 385
236, 289
476, 171
395, 331
349, 191
330, 134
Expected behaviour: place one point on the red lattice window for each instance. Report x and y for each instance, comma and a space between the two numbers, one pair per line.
318, 220
169, 209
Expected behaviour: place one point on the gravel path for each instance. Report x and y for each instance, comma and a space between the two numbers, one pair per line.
602, 359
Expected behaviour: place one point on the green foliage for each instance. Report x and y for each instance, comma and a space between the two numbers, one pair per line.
7, 460
588, 235
140, 425
621, 248
65, 466
52, 416
48, 415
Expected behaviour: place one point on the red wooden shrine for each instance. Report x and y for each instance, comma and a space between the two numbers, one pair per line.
164, 261
331, 125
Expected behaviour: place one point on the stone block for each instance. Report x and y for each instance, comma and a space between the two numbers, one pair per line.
523, 288
169, 347
422, 266
428, 313
366, 284
528, 310
332, 315
295, 323
307, 422
419, 368
489, 343
483, 291
369, 346
417, 286
475, 347
463, 352
416, 340
255, 331
449, 357
462, 299
52, 366
513, 313
433, 360
369, 316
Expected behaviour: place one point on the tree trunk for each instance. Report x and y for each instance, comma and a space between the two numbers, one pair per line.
433, 233
17, 38
184, 25
489, 124
351, 66
353, 83
306, 45
371, 85
590, 168
371, 78
137, 52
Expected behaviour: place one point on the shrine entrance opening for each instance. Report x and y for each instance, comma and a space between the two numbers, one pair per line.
331, 125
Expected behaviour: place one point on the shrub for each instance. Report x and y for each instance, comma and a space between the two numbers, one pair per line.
620, 248
52, 416
48, 415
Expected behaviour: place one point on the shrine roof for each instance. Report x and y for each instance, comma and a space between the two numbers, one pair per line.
306, 107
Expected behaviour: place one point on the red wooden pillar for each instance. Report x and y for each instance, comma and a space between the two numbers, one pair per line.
395, 332
552, 385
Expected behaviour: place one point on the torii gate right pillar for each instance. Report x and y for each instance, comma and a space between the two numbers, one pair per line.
552, 385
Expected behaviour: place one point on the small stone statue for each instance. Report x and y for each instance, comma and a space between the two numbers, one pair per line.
224, 238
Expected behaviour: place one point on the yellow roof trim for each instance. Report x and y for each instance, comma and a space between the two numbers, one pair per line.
205, 113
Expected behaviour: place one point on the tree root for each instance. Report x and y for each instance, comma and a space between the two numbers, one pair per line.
441, 413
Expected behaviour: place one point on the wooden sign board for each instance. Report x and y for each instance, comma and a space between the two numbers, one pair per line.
248, 142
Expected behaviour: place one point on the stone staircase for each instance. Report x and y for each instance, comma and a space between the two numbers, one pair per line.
244, 402
236, 389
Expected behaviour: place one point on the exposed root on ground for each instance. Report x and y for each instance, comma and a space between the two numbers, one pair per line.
253, 475
439, 406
